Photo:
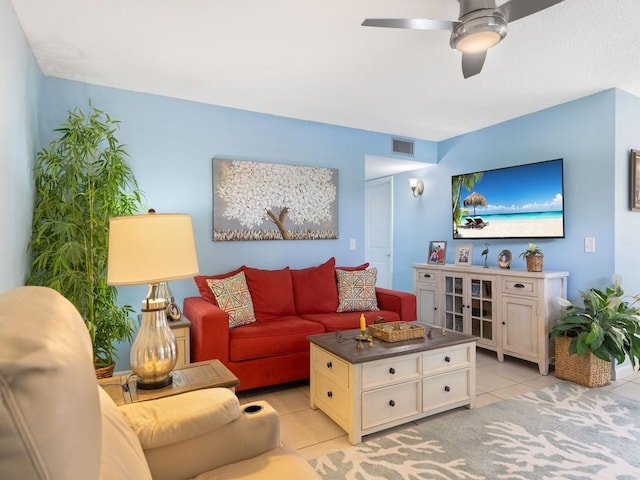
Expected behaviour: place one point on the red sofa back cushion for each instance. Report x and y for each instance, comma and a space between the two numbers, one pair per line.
271, 292
315, 289
203, 286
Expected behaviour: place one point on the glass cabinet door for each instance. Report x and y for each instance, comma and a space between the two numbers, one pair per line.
454, 303
482, 304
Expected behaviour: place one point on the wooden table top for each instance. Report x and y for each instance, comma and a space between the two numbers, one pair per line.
195, 376
346, 348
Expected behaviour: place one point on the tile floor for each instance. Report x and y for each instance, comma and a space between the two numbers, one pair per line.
314, 434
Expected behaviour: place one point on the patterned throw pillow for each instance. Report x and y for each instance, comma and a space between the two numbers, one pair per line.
357, 290
234, 298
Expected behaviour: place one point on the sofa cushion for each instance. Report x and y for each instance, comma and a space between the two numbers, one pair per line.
271, 292
266, 339
357, 290
333, 322
203, 285
363, 266
50, 419
315, 289
174, 419
232, 295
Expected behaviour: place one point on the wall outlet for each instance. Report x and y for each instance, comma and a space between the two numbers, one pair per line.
589, 244
352, 244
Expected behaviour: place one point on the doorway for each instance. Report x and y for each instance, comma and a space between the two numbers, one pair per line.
378, 226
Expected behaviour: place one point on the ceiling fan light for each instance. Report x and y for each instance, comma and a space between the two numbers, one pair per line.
478, 42
478, 34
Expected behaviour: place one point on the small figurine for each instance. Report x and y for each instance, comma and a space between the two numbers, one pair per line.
485, 254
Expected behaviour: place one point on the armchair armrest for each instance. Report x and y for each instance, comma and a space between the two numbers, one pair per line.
209, 330
403, 303
191, 433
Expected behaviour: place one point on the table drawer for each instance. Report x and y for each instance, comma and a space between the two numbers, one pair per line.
445, 359
333, 399
445, 389
331, 366
390, 403
426, 275
392, 370
521, 286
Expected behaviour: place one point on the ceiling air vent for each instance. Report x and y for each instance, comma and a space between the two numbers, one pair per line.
403, 147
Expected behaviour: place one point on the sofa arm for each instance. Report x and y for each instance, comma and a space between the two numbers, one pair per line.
189, 434
209, 330
403, 303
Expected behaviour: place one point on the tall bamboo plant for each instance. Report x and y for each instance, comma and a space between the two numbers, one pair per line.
81, 181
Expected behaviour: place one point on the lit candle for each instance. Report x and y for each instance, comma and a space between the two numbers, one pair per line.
363, 323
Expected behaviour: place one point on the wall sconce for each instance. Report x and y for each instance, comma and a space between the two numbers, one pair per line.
417, 187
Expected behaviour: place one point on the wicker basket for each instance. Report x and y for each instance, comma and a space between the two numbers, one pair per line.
105, 372
534, 263
586, 369
396, 331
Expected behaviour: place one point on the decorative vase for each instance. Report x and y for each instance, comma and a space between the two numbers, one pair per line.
534, 263
585, 369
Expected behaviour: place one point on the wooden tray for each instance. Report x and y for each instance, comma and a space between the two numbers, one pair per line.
396, 331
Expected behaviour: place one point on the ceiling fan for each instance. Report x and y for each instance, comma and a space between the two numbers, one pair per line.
481, 25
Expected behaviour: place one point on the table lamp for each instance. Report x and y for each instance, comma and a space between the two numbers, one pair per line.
150, 249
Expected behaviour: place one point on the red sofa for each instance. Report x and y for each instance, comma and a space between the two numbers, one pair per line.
289, 305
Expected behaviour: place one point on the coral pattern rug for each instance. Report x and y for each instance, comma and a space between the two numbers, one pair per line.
562, 432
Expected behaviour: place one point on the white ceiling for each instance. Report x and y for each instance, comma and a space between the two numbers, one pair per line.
312, 60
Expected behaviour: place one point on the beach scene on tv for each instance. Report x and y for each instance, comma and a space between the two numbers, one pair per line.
524, 201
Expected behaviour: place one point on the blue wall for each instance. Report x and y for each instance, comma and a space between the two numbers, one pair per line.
18, 142
171, 143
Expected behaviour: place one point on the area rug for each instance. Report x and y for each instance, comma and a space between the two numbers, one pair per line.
562, 432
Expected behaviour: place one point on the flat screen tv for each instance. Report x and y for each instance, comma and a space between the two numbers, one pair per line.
522, 201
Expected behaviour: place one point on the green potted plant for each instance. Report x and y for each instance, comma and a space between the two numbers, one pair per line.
587, 338
533, 256
81, 181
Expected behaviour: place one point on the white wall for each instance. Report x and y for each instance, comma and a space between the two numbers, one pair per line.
18, 139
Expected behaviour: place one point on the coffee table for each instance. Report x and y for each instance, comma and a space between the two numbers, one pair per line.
374, 388
194, 376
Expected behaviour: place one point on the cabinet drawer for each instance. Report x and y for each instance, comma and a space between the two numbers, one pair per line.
521, 286
331, 366
446, 359
388, 371
390, 403
426, 275
445, 389
333, 399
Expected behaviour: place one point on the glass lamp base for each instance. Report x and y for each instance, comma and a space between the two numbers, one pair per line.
165, 382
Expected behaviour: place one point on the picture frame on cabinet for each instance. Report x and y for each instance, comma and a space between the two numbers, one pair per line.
437, 252
634, 181
464, 254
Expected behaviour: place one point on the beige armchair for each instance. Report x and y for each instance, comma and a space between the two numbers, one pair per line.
57, 423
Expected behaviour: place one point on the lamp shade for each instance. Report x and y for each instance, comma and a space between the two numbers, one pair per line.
151, 248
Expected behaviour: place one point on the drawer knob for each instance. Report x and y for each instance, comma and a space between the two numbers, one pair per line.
447, 388
329, 364
447, 359
392, 403
518, 285
392, 371
330, 394
426, 275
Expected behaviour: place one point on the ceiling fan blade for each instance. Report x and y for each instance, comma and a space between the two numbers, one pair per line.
472, 63
411, 23
516, 9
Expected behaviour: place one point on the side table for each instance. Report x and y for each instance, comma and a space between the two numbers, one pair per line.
181, 329
195, 376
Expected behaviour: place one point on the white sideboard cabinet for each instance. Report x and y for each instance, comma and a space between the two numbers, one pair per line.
510, 311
